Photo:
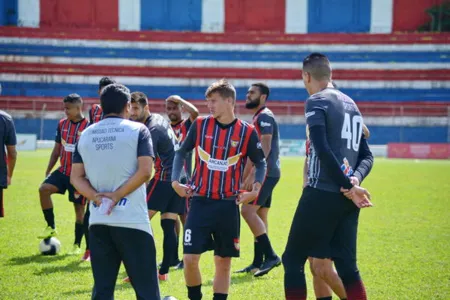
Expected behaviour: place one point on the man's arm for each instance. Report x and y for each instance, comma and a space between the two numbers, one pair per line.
78, 177
190, 108
10, 142
365, 161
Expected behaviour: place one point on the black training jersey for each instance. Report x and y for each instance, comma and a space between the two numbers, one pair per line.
344, 129
164, 142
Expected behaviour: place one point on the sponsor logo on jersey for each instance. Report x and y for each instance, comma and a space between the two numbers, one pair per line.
214, 164
265, 124
309, 114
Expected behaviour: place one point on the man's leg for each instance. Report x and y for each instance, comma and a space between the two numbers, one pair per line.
87, 255
105, 261
137, 249
79, 230
323, 268
193, 276
321, 288
263, 213
45, 192
222, 277
169, 242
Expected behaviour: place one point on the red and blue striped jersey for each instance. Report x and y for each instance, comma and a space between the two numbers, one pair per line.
67, 134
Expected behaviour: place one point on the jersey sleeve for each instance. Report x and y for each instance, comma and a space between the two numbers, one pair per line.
256, 155
76, 157
266, 124
58, 134
10, 136
315, 111
180, 155
145, 143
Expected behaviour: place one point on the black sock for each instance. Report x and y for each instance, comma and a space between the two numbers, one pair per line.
325, 298
218, 296
195, 292
169, 243
49, 217
258, 254
78, 233
86, 226
266, 247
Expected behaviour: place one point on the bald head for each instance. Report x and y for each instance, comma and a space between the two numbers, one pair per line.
318, 66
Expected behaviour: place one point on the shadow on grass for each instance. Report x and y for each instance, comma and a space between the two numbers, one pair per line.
75, 266
119, 286
35, 258
238, 279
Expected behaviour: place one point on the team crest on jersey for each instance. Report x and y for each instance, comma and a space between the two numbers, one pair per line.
79, 133
214, 164
237, 245
346, 168
234, 144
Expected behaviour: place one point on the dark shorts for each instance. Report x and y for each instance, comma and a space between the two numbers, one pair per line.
325, 226
163, 198
62, 182
212, 224
265, 194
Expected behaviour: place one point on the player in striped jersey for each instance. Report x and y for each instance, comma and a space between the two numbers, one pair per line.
95, 115
223, 144
160, 195
67, 134
174, 106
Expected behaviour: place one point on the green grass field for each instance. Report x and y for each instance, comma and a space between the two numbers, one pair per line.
404, 241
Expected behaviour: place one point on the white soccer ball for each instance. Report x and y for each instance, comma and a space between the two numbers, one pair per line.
169, 298
50, 246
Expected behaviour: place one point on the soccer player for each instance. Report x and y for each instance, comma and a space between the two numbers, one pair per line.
67, 134
95, 115
256, 212
223, 144
161, 197
8, 142
325, 223
112, 162
174, 107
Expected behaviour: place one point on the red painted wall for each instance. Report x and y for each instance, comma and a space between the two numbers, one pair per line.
255, 15
101, 14
409, 16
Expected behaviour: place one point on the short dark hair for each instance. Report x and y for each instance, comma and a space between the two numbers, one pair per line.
140, 98
318, 66
105, 81
73, 98
263, 88
114, 98
223, 88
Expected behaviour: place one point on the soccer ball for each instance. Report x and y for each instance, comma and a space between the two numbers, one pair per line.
50, 246
169, 298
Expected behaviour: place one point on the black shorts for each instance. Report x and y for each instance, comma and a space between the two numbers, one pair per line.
62, 182
325, 226
264, 198
212, 224
163, 198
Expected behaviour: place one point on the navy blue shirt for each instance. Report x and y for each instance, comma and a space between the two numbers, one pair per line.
7, 138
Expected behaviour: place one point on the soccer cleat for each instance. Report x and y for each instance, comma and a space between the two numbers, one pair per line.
249, 269
180, 266
267, 266
163, 277
86, 256
48, 233
127, 279
76, 249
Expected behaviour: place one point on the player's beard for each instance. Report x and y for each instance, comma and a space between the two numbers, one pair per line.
253, 103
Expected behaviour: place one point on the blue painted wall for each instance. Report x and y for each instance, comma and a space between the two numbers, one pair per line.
8, 12
177, 15
379, 134
339, 15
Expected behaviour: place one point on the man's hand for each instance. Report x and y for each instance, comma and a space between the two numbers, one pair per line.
175, 99
354, 180
182, 190
248, 181
245, 197
360, 196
